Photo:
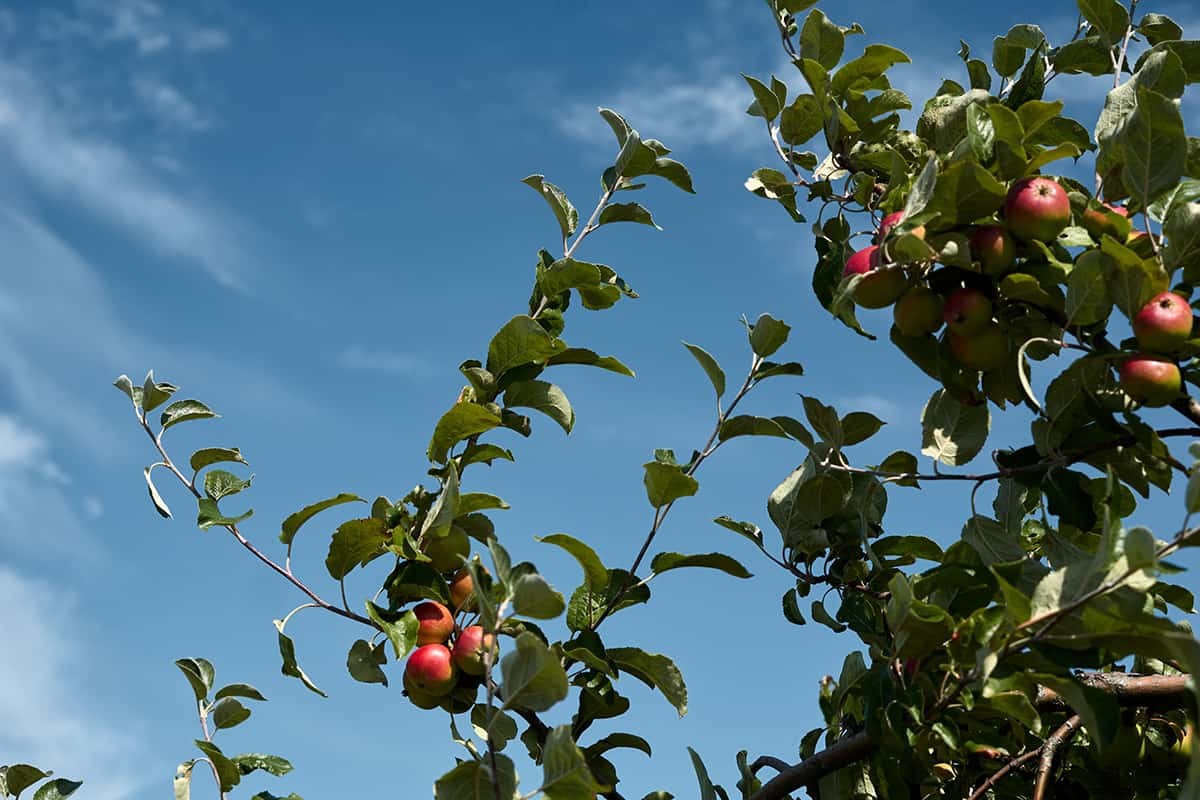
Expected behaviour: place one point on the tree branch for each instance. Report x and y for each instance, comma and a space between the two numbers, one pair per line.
1049, 748
840, 754
1017, 762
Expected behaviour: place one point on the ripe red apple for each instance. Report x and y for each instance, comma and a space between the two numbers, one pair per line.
892, 220
469, 649
1098, 222
435, 623
419, 698
918, 312
993, 248
430, 669
462, 588
1163, 324
1037, 208
1151, 380
880, 286
967, 311
447, 553
984, 350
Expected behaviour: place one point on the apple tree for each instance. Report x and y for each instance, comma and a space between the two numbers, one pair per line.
1040, 652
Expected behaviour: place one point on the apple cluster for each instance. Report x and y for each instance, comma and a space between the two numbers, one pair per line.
1036, 209
448, 656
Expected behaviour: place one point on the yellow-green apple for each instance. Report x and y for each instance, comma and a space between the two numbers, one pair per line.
967, 311
983, 350
1163, 324
1151, 380
430, 669
435, 624
469, 649
1037, 208
419, 698
447, 553
879, 286
918, 312
1100, 221
993, 248
462, 589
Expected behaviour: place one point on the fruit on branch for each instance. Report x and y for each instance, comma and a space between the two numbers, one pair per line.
879, 286
918, 312
1142, 243
1150, 380
983, 350
1037, 208
892, 220
430, 669
419, 698
462, 589
993, 248
470, 647
447, 553
1099, 221
1163, 324
967, 311
435, 624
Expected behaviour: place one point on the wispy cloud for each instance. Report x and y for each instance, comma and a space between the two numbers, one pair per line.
168, 105
368, 360
49, 711
145, 25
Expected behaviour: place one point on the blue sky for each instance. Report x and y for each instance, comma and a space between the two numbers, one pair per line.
308, 219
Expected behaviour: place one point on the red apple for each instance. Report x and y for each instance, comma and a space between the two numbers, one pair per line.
1163, 324
430, 669
993, 248
462, 589
1099, 221
880, 286
470, 647
1037, 208
1150, 380
435, 623
984, 350
967, 311
918, 312
447, 553
890, 221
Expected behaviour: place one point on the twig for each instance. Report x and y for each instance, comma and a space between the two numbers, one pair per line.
1061, 736
1017, 762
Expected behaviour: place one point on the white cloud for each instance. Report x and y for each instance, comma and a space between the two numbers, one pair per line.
168, 105
885, 408
203, 39
49, 711
93, 507
365, 360
145, 26
109, 182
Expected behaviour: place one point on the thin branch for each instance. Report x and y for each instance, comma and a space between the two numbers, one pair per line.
1050, 747
1016, 763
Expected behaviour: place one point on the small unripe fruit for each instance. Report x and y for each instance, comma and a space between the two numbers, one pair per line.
1097, 222
462, 589
447, 553
1150, 380
1163, 324
983, 350
967, 311
879, 286
470, 647
1037, 208
918, 312
435, 624
419, 698
993, 248
430, 669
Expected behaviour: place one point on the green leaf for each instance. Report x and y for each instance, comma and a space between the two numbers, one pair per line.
769, 369
292, 524
913, 546
265, 795
355, 543
228, 772
154, 394
568, 273
824, 420
556, 198
992, 541
587, 604
364, 662
821, 40
160, 505
273, 765
766, 103
747, 425
951, 431
627, 212
635, 157
499, 731
875, 61
580, 355
620, 127
668, 561
218, 484
533, 597
1182, 231
767, 335
215, 455
595, 575
544, 397
239, 690
801, 120
1159, 28
413, 580
671, 170
1087, 293
134, 393
666, 483
56, 789
184, 411
228, 713
199, 673
521, 341
532, 676
656, 671
473, 780
615, 740
462, 421
565, 774
819, 614
1154, 146
401, 632
19, 777
707, 790
858, 426
287, 651
791, 608
747, 529
711, 368
1108, 18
